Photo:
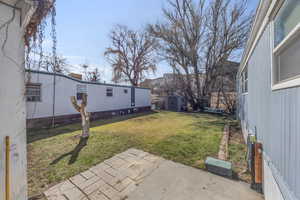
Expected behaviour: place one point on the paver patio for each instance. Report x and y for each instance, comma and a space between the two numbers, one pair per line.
135, 174
113, 179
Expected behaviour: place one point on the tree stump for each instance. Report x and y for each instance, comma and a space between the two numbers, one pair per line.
85, 116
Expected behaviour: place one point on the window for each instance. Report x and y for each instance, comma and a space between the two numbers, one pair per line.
287, 43
287, 62
125, 91
244, 80
80, 91
109, 92
33, 92
286, 20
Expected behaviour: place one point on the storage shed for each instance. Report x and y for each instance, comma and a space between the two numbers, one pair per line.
175, 103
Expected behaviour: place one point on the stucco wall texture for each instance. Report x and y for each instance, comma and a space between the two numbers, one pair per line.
12, 103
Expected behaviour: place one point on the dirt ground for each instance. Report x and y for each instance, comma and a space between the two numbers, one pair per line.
238, 152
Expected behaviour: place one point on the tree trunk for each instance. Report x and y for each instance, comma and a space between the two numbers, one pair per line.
85, 123
85, 116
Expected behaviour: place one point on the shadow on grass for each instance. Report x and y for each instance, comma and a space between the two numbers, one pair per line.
74, 153
39, 134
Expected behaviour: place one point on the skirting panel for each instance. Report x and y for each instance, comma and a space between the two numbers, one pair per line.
46, 122
271, 188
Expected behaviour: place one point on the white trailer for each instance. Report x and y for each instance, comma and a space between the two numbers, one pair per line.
48, 97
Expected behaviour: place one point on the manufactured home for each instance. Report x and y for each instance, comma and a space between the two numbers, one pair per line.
48, 98
269, 95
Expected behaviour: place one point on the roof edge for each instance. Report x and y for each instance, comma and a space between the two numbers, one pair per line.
81, 81
263, 16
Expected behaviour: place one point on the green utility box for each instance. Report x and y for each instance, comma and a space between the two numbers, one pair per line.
219, 167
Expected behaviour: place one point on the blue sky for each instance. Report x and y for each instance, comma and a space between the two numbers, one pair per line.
83, 28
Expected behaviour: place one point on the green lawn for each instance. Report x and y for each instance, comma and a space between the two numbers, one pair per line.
56, 154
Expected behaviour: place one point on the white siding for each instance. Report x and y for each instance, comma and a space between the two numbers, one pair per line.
274, 117
43, 108
142, 97
97, 99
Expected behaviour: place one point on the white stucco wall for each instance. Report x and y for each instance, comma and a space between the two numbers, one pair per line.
97, 99
12, 106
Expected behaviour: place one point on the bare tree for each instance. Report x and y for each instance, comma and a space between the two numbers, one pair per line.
228, 27
180, 39
196, 38
225, 84
171, 85
94, 75
85, 116
58, 65
47, 62
131, 55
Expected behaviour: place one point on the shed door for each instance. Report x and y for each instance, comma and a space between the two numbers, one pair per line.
173, 103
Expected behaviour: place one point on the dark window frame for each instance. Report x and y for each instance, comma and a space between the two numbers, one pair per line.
33, 97
109, 92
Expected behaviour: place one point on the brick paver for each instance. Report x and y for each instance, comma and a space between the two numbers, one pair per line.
114, 179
